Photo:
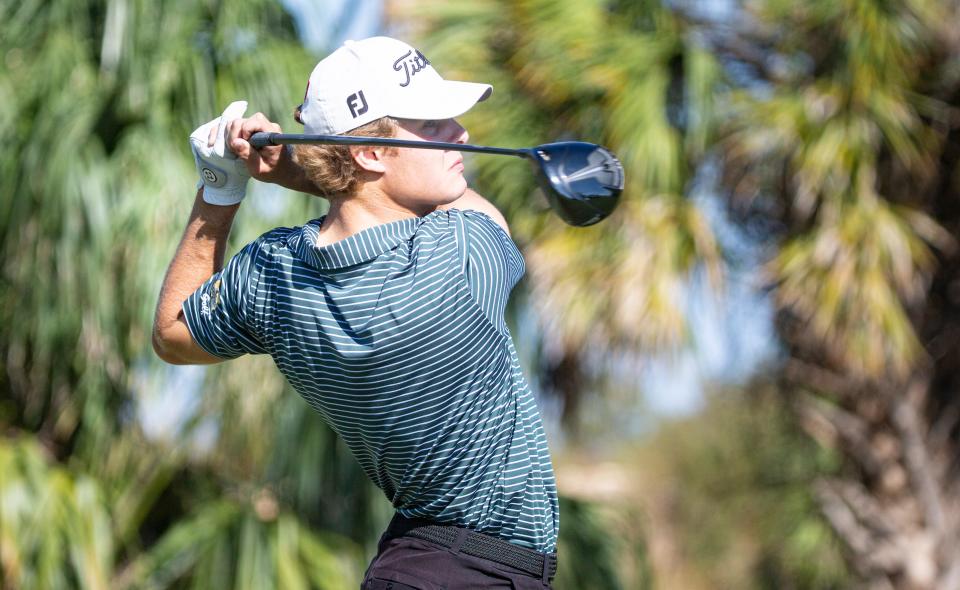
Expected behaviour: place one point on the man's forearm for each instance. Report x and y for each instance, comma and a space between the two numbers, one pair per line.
199, 255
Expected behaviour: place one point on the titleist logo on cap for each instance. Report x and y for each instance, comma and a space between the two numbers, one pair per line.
410, 66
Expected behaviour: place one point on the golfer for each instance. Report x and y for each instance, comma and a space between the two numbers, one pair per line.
386, 315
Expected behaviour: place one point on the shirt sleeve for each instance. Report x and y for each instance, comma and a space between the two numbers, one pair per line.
491, 262
220, 314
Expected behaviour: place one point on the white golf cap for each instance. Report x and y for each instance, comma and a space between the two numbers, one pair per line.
381, 77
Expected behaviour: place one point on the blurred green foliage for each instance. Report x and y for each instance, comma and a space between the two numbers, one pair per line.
845, 150
602, 546
54, 528
734, 482
97, 98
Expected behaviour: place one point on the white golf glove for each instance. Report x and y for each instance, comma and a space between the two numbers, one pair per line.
223, 176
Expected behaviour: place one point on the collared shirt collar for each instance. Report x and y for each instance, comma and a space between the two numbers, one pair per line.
361, 247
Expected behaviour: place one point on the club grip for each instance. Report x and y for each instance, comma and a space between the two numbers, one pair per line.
261, 139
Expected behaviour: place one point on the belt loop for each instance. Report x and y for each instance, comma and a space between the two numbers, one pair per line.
458, 542
547, 559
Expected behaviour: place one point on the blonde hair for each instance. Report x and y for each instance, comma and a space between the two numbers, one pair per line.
332, 167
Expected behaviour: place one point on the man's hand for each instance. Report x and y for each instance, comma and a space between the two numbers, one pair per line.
273, 163
223, 176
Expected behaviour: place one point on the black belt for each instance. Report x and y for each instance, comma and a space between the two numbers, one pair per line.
468, 542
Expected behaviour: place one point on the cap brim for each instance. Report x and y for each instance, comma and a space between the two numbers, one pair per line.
444, 100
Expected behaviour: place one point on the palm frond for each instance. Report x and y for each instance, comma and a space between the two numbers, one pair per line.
254, 545
575, 69
54, 526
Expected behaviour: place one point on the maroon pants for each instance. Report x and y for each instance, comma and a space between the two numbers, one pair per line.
405, 563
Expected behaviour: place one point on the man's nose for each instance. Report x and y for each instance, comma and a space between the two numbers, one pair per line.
458, 134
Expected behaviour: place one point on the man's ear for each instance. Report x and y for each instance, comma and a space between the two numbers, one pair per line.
369, 158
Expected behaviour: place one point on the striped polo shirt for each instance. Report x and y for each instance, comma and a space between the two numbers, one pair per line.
396, 336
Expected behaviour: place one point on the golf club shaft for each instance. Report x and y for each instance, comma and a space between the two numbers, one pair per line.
259, 140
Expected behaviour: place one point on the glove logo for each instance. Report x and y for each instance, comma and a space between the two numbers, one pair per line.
212, 176
352, 104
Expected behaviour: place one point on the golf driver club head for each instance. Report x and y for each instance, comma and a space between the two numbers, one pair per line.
582, 181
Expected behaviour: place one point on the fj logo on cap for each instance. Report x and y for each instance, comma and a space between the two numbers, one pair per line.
411, 66
352, 103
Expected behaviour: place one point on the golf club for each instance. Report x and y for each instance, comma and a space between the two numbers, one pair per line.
582, 181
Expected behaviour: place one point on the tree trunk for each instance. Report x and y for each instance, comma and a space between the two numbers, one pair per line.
896, 506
